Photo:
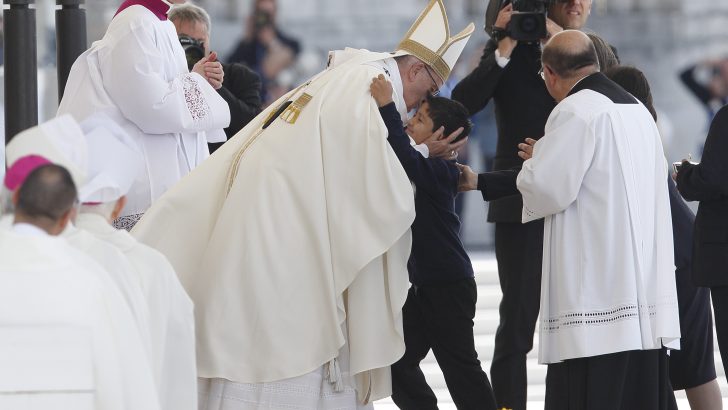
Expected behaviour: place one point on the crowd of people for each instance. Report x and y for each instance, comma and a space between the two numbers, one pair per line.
314, 260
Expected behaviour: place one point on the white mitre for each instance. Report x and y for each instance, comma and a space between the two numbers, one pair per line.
114, 160
59, 140
429, 40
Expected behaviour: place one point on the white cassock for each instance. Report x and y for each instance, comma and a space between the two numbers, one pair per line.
302, 264
67, 338
171, 317
137, 74
598, 178
119, 270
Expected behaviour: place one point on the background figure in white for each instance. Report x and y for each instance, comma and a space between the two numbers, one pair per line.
137, 74
170, 311
68, 340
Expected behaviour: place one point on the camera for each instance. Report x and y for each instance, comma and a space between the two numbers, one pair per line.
194, 50
528, 22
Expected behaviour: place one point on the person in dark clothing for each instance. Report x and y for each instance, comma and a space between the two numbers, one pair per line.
692, 368
508, 74
708, 81
241, 90
265, 48
440, 306
707, 182
241, 86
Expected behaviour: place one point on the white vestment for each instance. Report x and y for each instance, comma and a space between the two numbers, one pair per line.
598, 178
67, 338
313, 234
137, 74
119, 270
171, 317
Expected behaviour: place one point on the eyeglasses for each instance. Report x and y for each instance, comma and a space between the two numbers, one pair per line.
437, 89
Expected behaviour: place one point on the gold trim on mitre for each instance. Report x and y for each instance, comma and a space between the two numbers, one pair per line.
432, 55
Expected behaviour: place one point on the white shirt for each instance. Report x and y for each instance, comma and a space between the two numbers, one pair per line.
137, 74
598, 178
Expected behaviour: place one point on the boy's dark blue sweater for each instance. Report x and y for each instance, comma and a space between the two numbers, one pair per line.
437, 255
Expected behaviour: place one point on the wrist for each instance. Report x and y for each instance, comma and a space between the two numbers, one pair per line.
383, 103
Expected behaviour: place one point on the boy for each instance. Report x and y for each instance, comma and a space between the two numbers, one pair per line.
440, 306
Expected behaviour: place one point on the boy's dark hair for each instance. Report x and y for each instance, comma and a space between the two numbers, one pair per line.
450, 114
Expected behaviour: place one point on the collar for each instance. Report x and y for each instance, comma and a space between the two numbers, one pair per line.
599, 83
391, 70
28, 230
160, 8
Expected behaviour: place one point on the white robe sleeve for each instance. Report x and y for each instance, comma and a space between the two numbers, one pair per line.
133, 75
550, 181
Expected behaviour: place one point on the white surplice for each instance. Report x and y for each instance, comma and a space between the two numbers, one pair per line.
119, 270
67, 338
137, 74
313, 233
598, 177
171, 317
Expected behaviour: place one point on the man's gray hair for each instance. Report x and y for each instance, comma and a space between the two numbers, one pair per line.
190, 12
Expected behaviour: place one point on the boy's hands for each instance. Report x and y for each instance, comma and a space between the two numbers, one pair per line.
381, 90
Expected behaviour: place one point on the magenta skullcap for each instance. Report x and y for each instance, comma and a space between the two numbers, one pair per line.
19, 171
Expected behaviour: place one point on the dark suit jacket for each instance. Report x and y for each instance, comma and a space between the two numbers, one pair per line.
241, 90
707, 182
522, 106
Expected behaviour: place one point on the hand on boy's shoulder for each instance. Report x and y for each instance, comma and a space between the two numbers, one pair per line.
381, 90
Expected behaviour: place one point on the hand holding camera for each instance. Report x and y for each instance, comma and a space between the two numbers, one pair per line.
505, 43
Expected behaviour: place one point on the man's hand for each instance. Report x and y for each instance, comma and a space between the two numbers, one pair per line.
526, 149
468, 179
211, 69
445, 147
551, 29
507, 44
381, 90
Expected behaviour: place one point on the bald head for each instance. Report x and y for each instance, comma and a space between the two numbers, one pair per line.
570, 54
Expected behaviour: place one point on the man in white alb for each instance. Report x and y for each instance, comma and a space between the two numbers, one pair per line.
67, 338
608, 298
293, 239
111, 173
137, 74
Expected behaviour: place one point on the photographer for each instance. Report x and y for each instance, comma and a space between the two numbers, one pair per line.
508, 73
265, 48
240, 87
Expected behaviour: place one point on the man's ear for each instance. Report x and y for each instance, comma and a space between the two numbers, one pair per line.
64, 221
120, 204
15, 197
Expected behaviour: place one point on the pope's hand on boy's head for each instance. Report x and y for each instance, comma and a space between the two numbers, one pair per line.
444, 147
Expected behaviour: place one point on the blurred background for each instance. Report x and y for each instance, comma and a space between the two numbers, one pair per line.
682, 46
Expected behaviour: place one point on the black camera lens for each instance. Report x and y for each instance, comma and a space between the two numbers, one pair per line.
194, 50
528, 24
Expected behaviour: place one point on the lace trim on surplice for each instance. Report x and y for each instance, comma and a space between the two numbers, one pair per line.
195, 99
